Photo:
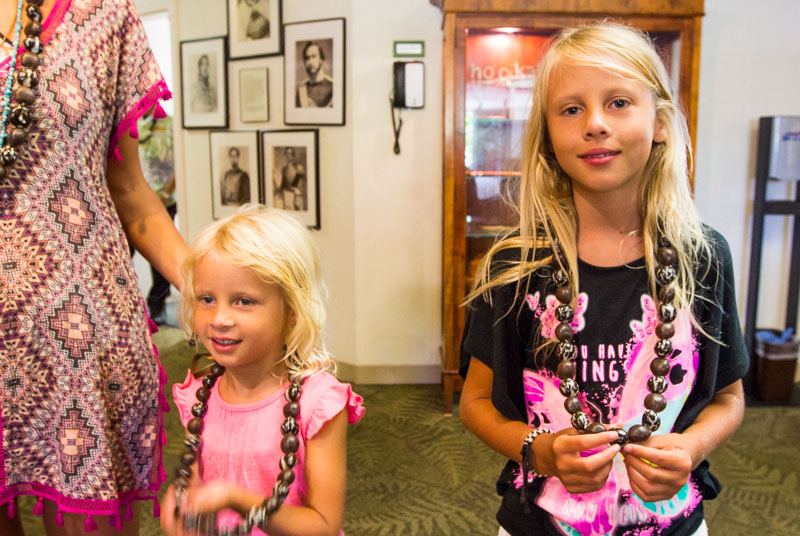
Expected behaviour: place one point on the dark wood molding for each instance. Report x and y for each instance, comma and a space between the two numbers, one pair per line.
583, 7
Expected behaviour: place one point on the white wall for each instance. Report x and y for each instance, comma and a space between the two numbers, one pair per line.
748, 69
398, 202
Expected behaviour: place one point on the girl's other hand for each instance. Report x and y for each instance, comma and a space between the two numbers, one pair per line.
211, 497
577, 469
169, 523
659, 467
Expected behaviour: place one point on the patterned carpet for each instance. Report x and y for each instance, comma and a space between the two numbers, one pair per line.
413, 471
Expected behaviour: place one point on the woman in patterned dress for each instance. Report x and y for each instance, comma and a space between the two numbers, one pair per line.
81, 389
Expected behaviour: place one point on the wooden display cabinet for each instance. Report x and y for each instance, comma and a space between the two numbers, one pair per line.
491, 48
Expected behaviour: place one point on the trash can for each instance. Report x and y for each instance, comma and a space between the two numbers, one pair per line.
776, 368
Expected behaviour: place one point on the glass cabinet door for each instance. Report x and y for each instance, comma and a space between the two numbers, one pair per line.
499, 74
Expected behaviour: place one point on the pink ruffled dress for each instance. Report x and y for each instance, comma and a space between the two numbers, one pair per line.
241, 442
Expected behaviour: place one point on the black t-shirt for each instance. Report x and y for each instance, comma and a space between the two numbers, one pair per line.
614, 323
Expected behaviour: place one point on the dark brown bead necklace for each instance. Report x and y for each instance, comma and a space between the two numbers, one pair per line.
258, 515
566, 350
26, 79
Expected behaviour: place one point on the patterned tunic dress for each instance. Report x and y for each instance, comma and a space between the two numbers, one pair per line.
81, 389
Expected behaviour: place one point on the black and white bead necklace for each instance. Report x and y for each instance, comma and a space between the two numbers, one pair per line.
17, 116
566, 349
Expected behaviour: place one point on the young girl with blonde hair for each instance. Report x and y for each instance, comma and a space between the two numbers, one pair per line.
266, 427
602, 352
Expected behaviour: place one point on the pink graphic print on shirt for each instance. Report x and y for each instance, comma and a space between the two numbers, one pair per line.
600, 512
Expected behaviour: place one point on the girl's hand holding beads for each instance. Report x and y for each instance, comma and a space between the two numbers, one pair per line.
579, 470
659, 467
211, 497
197, 500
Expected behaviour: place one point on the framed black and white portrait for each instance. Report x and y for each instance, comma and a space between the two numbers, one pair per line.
313, 67
234, 170
205, 83
290, 162
254, 28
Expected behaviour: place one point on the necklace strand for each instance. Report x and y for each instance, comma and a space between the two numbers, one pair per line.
20, 84
258, 515
566, 350
12, 60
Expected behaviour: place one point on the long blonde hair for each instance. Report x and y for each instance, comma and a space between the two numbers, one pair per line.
545, 205
280, 251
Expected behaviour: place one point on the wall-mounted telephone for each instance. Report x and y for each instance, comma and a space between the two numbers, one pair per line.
408, 91
409, 84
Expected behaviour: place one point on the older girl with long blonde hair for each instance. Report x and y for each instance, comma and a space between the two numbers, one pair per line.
602, 352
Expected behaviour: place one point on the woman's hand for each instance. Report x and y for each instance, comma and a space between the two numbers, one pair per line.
581, 462
659, 467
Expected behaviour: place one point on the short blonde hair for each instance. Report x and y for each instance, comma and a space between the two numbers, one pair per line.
280, 251
545, 204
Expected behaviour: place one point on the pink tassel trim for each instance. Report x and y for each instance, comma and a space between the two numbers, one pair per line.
38, 510
159, 91
128, 512
89, 525
134, 131
12, 509
117, 155
59, 518
156, 508
159, 112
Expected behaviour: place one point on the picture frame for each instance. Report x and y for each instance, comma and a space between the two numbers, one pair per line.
254, 28
204, 83
290, 160
253, 94
314, 67
235, 171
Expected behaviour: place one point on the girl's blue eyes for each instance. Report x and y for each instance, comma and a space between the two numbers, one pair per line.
208, 300
616, 104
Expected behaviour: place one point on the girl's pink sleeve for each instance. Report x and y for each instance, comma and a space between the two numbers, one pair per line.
334, 396
183, 394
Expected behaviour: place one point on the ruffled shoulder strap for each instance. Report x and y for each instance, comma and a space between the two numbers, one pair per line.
323, 398
183, 394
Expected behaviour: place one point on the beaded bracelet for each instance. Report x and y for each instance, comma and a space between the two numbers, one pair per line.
528, 458
529, 462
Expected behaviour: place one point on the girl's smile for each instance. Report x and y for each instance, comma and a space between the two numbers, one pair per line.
599, 157
223, 345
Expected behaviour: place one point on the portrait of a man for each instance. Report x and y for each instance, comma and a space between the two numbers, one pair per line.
203, 87
291, 193
235, 181
253, 19
316, 90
